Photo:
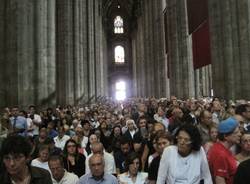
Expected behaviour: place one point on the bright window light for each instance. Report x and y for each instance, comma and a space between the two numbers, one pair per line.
120, 90
119, 54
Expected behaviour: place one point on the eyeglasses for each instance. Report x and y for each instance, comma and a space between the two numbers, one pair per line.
184, 140
16, 157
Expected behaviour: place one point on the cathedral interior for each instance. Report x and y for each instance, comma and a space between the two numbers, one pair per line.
77, 51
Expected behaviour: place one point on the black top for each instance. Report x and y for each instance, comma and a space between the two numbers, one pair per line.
38, 176
242, 175
153, 168
78, 168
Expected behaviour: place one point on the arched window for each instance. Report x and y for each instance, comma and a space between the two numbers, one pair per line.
120, 90
118, 25
119, 54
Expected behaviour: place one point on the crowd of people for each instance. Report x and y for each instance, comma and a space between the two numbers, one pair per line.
137, 141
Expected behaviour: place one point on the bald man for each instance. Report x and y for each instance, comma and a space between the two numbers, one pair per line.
97, 175
97, 148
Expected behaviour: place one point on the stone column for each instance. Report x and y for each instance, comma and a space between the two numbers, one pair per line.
91, 53
40, 61
51, 52
230, 48
2, 53
65, 62
180, 53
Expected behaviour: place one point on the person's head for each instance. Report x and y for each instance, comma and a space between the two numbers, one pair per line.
15, 111
142, 122
97, 148
32, 109
187, 139
228, 131
206, 117
157, 127
43, 133
117, 131
43, 153
96, 165
213, 132
133, 164
160, 111
244, 111
85, 125
79, 131
177, 113
70, 148
245, 142
131, 124
14, 154
93, 139
61, 131
216, 106
162, 139
125, 145
241, 121
56, 167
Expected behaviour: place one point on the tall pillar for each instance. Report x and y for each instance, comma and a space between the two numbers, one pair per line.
180, 53
230, 48
51, 53
65, 62
91, 52
2, 53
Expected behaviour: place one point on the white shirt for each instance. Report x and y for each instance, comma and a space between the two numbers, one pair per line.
109, 160
68, 178
175, 169
43, 165
60, 143
140, 178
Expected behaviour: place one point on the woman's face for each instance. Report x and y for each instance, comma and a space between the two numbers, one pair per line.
245, 142
93, 139
134, 167
213, 134
71, 148
184, 143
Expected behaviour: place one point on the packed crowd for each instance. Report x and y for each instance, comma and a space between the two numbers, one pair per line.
136, 141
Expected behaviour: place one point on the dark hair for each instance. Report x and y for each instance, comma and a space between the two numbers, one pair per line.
241, 108
161, 134
55, 158
15, 144
129, 160
194, 134
65, 151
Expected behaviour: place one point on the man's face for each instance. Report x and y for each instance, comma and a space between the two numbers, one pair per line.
56, 169
246, 114
245, 142
96, 166
125, 148
207, 118
15, 112
142, 123
14, 163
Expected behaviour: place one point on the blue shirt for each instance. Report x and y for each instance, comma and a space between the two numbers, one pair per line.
89, 179
19, 123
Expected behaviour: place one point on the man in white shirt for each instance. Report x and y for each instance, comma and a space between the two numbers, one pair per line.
59, 174
61, 139
97, 148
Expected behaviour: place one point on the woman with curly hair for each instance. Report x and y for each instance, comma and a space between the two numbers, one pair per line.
185, 161
73, 160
